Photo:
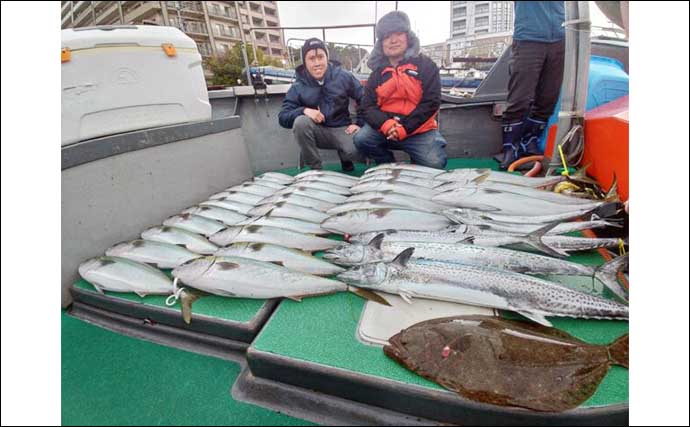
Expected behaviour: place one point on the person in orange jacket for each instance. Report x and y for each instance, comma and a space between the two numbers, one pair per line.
401, 99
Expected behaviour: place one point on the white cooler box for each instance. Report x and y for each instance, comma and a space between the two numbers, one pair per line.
123, 78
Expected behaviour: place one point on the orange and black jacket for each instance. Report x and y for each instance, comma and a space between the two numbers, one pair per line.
409, 94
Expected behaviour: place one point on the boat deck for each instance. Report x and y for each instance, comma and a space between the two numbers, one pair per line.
311, 344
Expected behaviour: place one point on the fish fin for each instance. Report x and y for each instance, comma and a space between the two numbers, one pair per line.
295, 298
612, 194
279, 263
187, 298
376, 241
141, 294
618, 351
481, 178
403, 257
536, 317
607, 209
368, 295
580, 175
608, 275
469, 240
534, 239
406, 297
98, 289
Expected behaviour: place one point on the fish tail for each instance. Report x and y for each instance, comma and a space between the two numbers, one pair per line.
187, 298
612, 194
534, 239
618, 351
608, 275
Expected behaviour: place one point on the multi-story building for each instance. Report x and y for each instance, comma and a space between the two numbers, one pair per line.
438, 52
480, 28
214, 25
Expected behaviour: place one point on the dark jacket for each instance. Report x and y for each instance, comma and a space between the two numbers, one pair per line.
332, 98
539, 21
411, 92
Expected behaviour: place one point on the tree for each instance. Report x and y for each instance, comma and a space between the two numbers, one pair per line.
228, 69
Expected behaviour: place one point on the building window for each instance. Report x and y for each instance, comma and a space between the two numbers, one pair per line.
481, 21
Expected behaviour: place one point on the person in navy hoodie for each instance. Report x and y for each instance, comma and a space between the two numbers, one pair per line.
536, 74
316, 107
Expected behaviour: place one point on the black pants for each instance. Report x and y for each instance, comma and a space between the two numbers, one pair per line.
536, 75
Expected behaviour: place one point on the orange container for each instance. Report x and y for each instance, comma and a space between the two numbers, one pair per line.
606, 144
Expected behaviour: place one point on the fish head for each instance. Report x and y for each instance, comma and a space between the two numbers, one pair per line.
369, 276
193, 269
226, 235
93, 264
347, 254
122, 248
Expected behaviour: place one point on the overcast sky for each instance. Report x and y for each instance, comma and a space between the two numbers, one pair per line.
430, 19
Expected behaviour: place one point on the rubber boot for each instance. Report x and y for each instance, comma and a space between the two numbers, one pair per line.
511, 137
347, 165
529, 143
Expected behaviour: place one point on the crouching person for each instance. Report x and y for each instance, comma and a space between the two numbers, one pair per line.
401, 99
316, 107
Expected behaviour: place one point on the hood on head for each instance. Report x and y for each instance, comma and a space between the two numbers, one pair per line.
395, 21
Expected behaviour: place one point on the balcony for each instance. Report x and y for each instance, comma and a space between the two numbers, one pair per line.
222, 14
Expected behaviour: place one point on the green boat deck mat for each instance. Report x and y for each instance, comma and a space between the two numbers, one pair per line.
231, 319
148, 384
322, 330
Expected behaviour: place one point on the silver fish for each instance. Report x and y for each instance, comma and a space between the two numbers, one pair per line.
161, 255
530, 296
467, 234
292, 224
287, 257
397, 178
313, 193
508, 203
322, 186
277, 177
225, 216
532, 193
368, 204
273, 235
115, 274
394, 173
233, 276
296, 199
192, 241
363, 221
518, 219
486, 226
287, 210
195, 224
336, 180
397, 187
311, 173
399, 199
264, 188
469, 254
477, 175
405, 166
238, 207
238, 196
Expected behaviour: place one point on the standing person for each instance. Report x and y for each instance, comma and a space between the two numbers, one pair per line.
316, 107
401, 99
536, 74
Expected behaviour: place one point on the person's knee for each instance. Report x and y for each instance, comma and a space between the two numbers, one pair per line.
301, 124
364, 137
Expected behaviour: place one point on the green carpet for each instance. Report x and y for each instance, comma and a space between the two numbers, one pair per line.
322, 330
148, 384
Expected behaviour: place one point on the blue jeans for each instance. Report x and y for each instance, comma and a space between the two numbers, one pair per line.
425, 149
